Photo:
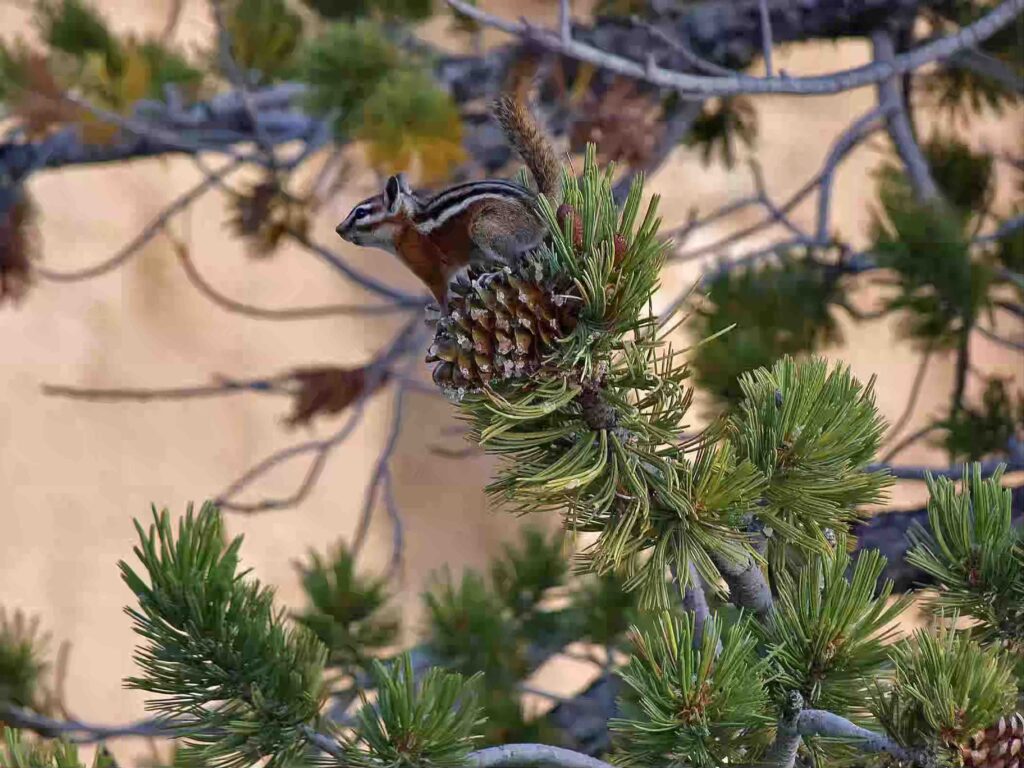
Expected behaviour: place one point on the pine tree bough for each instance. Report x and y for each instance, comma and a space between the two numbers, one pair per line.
748, 588
707, 85
532, 756
562, 369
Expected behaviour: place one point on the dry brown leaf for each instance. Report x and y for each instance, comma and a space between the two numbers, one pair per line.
328, 390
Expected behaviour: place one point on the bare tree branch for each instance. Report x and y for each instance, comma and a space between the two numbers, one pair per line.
1013, 461
1000, 340
381, 473
901, 132
564, 20
915, 392
818, 722
989, 67
76, 731
697, 62
151, 230
748, 587
143, 394
238, 78
695, 601
766, 37
320, 449
706, 85
532, 756
263, 313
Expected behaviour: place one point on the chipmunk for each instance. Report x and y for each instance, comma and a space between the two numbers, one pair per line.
478, 222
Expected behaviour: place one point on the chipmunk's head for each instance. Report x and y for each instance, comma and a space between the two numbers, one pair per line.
376, 221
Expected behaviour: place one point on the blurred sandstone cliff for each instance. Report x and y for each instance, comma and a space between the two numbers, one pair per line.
72, 474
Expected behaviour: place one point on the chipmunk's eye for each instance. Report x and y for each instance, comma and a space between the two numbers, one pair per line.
361, 213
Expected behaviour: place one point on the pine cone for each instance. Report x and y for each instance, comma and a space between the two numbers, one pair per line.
1001, 746
500, 325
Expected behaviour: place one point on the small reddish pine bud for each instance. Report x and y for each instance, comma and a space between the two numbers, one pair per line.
566, 211
620, 248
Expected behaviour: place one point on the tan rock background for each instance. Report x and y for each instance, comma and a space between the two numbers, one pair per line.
73, 474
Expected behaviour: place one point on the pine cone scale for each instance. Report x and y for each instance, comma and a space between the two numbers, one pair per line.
500, 325
999, 746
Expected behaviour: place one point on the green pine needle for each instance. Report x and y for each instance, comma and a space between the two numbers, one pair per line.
941, 289
17, 753
265, 35
523, 574
690, 706
976, 432
74, 27
777, 309
472, 631
811, 431
22, 658
238, 682
346, 610
827, 634
976, 556
945, 688
425, 723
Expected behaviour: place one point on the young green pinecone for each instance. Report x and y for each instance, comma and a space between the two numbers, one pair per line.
1001, 746
501, 325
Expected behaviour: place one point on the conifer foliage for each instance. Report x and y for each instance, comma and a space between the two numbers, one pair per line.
757, 508
707, 576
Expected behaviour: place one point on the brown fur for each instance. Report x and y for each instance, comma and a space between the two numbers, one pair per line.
533, 145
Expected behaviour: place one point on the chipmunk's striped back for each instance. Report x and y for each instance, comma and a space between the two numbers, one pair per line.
459, 199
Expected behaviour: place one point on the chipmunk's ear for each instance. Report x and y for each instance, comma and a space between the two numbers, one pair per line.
393, 194
403, 184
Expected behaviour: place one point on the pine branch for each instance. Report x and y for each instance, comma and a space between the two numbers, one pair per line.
748, 587
886, 532
79, 732
900, 129
532, 756
707, 85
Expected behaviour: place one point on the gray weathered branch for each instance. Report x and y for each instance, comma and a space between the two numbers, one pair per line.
891, 100
709, 85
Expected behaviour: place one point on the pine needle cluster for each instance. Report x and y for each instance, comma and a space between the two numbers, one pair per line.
945, 688
942, 283
500, 628
972, 432
782, 307
373, 92
16, 753
347, 611
428, 722
690, 703
229, 673
976, 556
811, 432
22, 658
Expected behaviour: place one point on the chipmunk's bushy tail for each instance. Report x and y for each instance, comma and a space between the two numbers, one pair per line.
533, 145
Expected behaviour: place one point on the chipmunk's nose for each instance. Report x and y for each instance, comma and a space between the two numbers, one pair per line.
340, 229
